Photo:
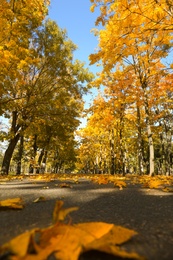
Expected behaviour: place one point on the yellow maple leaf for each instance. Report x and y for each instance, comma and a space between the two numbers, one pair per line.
120, 184
92, 8
153, 184
15, 203
167, 189
18, 245
65, 185
70, 241
59, 214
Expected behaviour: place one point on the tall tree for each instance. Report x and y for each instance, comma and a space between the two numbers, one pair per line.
43, 78
133, 38
18, 21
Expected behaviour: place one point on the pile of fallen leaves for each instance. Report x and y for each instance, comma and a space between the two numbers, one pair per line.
66, 241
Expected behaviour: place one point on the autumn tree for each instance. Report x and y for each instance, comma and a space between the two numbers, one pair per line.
18, 21
136, 36
42, 79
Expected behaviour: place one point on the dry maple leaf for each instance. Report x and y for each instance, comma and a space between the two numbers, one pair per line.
19, 245
59, 214
39, 199
65, 185
167, 189
15, 203
153, 184
103, 181
120, 184
69, 241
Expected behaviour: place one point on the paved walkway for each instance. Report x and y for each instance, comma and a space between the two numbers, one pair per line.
149, 212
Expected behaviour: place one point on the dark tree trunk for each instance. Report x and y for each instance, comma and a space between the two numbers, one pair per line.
8, 154
12, 143
40, 157
32, 163
20, 154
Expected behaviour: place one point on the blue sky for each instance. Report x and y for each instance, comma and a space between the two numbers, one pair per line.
76, 18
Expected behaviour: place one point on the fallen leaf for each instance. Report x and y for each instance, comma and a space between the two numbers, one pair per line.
103, 180
16, 203
64, 241
39, 199
59, 214
65, 185
18, 245
153, 184
167, 189
120, 184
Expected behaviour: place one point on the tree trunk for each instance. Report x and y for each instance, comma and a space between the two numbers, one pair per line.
168, 137
149, 133
40, 157
140, 148
20, 154
8, 154
12, 143
112, 168
32, 163
44, 161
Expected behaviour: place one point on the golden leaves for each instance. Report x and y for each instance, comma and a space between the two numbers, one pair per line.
157, 182
152, 184
59, 214
92, 8
65, 241
15, 203
120, 184
19, 245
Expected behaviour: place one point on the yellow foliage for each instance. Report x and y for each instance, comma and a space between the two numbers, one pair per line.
92, 8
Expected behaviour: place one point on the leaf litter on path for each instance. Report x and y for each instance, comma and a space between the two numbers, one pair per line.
15, 203
69, 241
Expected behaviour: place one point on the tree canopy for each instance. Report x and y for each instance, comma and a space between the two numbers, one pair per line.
134, 41
42, 84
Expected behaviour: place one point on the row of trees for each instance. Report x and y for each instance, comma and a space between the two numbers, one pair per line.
41, 87
130, 126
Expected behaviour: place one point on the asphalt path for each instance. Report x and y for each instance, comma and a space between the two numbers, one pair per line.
149, 212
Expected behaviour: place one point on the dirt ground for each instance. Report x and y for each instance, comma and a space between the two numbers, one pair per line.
147, 211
